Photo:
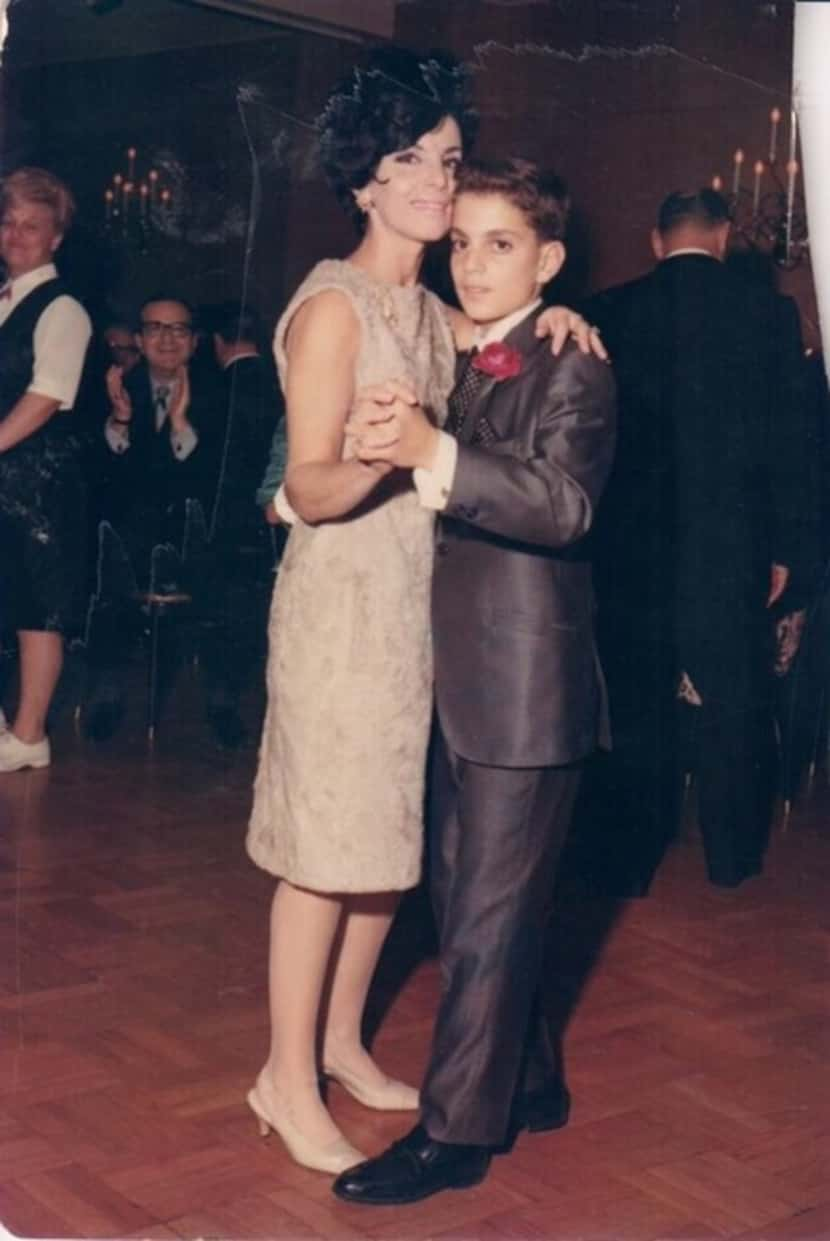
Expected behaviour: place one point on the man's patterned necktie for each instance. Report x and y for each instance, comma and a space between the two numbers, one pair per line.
462, 397
463, 394
161, 398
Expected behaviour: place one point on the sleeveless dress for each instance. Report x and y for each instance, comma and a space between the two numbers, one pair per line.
338, 797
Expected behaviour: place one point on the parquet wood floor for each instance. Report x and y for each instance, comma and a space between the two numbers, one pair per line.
133, 1018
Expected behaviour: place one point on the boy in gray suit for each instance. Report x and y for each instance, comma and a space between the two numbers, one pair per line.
516, 476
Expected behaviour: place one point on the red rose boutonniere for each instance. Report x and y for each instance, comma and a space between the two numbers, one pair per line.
499, 360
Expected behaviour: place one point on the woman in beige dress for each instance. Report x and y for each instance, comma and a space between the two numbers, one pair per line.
338, 802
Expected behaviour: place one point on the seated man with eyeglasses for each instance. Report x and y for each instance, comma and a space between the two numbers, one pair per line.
149, 417
161, 431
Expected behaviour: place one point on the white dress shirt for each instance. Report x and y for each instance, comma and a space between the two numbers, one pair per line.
435, 484
61, 337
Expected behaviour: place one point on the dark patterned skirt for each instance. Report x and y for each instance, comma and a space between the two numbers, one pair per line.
42, 536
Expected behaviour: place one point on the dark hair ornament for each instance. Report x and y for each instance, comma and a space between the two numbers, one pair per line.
387, 106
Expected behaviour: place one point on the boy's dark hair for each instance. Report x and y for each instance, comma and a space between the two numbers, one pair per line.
541, 195
706, 208
385, 107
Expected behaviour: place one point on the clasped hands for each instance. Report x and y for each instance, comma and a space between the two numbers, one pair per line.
122, 406
388, 427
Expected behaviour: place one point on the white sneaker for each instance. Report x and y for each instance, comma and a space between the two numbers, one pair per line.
16, 754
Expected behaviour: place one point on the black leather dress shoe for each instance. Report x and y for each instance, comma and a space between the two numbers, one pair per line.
546, 1108
412, 1169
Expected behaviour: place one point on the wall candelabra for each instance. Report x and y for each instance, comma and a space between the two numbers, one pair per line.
768, 211
136, 205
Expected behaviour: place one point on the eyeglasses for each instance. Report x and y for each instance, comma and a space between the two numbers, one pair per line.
153, 327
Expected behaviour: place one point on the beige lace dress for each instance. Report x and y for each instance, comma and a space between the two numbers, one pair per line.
338, 798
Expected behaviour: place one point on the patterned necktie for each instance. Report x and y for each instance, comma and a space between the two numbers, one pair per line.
463, 395
162, 394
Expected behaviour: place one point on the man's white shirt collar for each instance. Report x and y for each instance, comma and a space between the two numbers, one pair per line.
676, 254
483, 336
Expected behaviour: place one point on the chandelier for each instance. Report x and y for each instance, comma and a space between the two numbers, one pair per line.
136, 207
769, 212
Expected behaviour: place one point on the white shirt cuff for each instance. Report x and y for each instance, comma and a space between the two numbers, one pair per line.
434, 486
183, 443
284, 510
118, 437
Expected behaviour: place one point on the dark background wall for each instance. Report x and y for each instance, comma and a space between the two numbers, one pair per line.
629, 98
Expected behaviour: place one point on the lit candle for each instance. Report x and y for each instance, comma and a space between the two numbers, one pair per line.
736, 178
756, 191
131, 153
792, 173
144, 191
166, 199
128, 190
774, 122
153, 178
108, 197
717, 183
793, 136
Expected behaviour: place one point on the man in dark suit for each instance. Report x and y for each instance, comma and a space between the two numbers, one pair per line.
701, 527
235, 588
252, 408
518, 691
161, 435
157, 432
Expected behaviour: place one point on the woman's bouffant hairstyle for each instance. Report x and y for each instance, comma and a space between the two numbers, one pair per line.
540, 194
36, 185
385, 107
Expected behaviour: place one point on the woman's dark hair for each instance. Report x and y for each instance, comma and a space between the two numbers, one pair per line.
387, 106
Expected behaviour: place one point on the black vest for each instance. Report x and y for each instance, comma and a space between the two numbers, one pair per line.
17, 350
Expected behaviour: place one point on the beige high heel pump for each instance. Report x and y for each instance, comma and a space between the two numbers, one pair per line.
274, 1112
392, 1096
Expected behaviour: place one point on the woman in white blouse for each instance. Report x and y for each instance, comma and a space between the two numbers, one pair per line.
44, 335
